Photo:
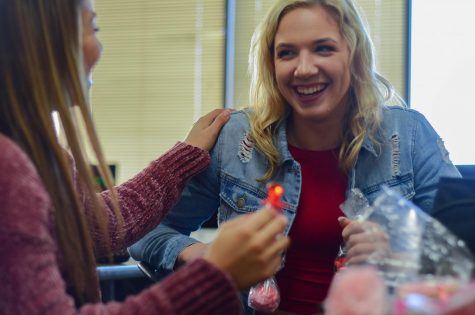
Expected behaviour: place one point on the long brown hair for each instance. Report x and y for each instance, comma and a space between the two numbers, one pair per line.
41, 71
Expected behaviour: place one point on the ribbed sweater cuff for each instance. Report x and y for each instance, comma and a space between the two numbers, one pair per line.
203, 289
184, 160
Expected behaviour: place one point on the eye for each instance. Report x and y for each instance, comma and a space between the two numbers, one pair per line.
324, 49
285, 53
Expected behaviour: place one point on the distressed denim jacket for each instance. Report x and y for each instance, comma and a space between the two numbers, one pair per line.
410, 159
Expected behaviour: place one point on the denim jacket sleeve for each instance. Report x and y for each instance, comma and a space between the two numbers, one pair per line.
431, 162
409, 158
199, 201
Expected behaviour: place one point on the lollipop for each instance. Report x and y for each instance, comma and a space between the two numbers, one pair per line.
265, 296
274, 196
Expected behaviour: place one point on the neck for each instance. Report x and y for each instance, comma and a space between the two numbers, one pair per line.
315, 136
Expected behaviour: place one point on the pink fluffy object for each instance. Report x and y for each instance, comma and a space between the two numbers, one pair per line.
356, 291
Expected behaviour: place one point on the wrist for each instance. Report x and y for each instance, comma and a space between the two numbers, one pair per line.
190, 253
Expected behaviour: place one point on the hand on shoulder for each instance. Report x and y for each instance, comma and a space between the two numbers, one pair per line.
205, 131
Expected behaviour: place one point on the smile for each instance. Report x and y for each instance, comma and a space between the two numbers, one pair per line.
310, 90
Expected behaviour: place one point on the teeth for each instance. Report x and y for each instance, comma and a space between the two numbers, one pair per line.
310, 90
306, 91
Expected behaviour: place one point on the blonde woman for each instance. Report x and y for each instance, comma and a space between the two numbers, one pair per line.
319, 122
53, 222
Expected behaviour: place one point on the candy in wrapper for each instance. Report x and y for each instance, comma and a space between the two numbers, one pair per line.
264, 296
356, 291
355, 207
340, 260
274, 196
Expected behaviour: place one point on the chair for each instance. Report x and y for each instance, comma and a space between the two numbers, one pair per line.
149, 271
454, 206
113, 279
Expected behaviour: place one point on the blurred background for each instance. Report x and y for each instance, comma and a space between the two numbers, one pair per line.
165, 63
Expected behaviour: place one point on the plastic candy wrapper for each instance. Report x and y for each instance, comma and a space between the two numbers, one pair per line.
355, 207
357, 290
420, 248
424, 263
265, 295
424, 266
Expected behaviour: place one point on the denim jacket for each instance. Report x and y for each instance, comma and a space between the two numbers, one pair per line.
411, 158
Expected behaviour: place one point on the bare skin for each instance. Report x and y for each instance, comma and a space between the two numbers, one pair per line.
249, 247
363, 239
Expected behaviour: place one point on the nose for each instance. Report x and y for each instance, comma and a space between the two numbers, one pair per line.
306, 66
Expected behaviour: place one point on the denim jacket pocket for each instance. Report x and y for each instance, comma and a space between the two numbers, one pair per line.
238, 197
402, 184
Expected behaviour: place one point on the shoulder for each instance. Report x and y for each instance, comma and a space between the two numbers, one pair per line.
401, 113
13, 159
409, 126
239, 119
233, 138
237, 125
19, 180
398, 117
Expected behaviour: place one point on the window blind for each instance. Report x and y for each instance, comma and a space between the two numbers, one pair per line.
387, 25
162, 68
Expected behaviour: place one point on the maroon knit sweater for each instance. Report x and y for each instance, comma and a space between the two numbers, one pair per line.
30, 275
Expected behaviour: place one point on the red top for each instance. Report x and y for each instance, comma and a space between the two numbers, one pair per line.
315, 232
30, 260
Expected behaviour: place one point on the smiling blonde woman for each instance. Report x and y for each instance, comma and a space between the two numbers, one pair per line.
320, 123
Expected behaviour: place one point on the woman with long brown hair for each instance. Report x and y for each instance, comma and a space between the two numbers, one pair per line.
53, 222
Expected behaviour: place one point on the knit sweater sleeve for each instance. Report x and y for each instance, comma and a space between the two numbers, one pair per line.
195, 289
30, 277
146, 198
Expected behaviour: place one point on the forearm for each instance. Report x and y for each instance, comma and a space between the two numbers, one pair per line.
146, 198
161, 248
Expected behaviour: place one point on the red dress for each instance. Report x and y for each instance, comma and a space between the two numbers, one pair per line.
315, 232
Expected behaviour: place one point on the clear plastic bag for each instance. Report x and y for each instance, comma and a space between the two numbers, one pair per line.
424, 265
264, 296
355, 207
421, 248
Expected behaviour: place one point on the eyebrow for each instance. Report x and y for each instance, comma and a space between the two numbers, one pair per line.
316, 42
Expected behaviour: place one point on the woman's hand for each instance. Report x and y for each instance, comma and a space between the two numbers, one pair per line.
363, 239
205, 130
191, 252
249, 247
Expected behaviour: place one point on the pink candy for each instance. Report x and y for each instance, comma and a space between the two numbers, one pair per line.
264, 296
356, 291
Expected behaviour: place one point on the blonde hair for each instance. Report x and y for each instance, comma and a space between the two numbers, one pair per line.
367, 93
41, 71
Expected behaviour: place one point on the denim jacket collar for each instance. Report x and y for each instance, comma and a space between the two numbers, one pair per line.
282, 146
284, 150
